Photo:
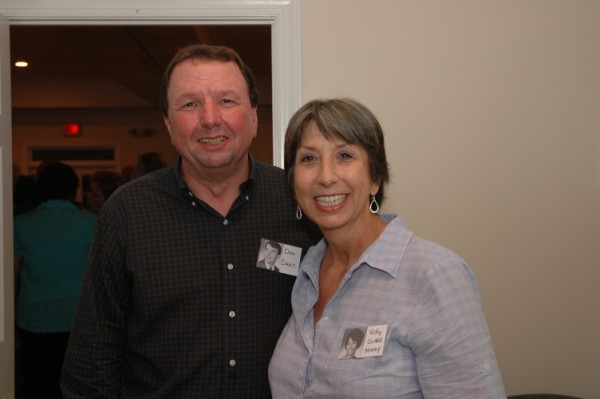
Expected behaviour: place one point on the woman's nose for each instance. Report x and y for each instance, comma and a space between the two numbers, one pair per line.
327, 173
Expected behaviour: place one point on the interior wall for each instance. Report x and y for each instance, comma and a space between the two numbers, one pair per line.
44, 128
491, 113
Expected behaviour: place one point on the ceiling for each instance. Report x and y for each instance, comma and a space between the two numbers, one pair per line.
117, 66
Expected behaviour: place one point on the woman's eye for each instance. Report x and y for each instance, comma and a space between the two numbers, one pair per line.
346, 155
306, 158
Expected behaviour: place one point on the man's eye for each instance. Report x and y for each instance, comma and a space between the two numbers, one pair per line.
189, 104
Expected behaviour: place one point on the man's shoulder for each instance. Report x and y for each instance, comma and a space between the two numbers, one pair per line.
163, 179
159, 187
270, 178
266, 170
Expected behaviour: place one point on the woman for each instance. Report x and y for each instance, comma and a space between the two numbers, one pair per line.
352, 342
418, 303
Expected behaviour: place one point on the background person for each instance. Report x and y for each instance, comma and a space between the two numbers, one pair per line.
172, 304
102, 184
372, 271
148, 162
51, 244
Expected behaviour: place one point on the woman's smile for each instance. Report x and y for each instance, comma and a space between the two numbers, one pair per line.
330, 201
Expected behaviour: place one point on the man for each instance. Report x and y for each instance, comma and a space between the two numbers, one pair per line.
172, 304
272, 252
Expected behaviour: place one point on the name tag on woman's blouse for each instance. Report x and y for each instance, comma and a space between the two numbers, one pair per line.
363, 342
279, 257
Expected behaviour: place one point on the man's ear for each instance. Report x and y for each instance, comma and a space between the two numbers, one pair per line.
167, 124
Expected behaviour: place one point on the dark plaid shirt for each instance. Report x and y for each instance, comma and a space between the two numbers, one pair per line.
172, 304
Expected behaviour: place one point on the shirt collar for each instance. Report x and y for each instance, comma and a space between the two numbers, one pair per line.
245, 187
387, 251
384, 254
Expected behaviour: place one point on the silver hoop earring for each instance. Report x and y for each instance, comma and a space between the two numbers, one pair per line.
373, 206
298, 212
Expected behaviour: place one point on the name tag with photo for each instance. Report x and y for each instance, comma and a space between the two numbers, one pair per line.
279, 257
361, 342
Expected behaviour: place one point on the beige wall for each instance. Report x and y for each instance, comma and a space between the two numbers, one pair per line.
491, 111
492, 116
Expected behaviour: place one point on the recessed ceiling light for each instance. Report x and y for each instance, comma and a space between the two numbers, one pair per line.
21, 64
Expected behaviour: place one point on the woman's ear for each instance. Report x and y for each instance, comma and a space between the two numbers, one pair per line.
375, 186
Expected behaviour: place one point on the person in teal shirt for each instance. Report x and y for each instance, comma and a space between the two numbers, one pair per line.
51, 244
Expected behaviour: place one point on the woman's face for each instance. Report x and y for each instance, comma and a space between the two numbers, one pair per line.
332, 181
351, 347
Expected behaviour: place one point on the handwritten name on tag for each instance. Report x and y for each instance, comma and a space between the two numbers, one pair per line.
361, 342
279, 257
374, 341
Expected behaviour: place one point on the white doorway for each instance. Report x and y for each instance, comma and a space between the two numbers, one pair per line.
282, 16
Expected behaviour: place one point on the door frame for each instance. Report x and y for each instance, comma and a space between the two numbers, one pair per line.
282, 15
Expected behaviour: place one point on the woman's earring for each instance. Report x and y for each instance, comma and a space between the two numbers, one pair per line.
373, 206
299, 212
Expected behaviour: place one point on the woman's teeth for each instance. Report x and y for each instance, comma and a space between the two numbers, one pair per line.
330, 200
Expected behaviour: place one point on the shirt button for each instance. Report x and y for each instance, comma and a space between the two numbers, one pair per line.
247, 197
231, 314
193, 203
225, 222
232, 362
230, 266
190, 194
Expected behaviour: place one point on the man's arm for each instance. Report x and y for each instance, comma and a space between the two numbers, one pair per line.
92, 367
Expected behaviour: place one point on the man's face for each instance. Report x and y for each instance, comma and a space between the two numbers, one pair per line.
271, 254
210, 119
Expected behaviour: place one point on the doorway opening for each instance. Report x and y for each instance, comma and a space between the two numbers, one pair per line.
106, 79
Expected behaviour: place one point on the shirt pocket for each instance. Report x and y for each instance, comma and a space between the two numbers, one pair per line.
346, 370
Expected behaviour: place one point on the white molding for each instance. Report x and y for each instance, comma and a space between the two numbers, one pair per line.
282, 15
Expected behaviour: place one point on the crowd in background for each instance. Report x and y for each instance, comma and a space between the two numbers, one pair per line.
97, 187
52, 236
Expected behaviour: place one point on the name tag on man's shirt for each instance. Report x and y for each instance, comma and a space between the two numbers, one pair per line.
279, 257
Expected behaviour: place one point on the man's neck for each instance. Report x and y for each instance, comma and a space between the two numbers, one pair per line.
217, 187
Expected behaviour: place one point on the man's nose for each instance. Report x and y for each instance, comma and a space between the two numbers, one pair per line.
211, 115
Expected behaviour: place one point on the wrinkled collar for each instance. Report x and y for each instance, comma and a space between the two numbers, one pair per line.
245, 187
384, 254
